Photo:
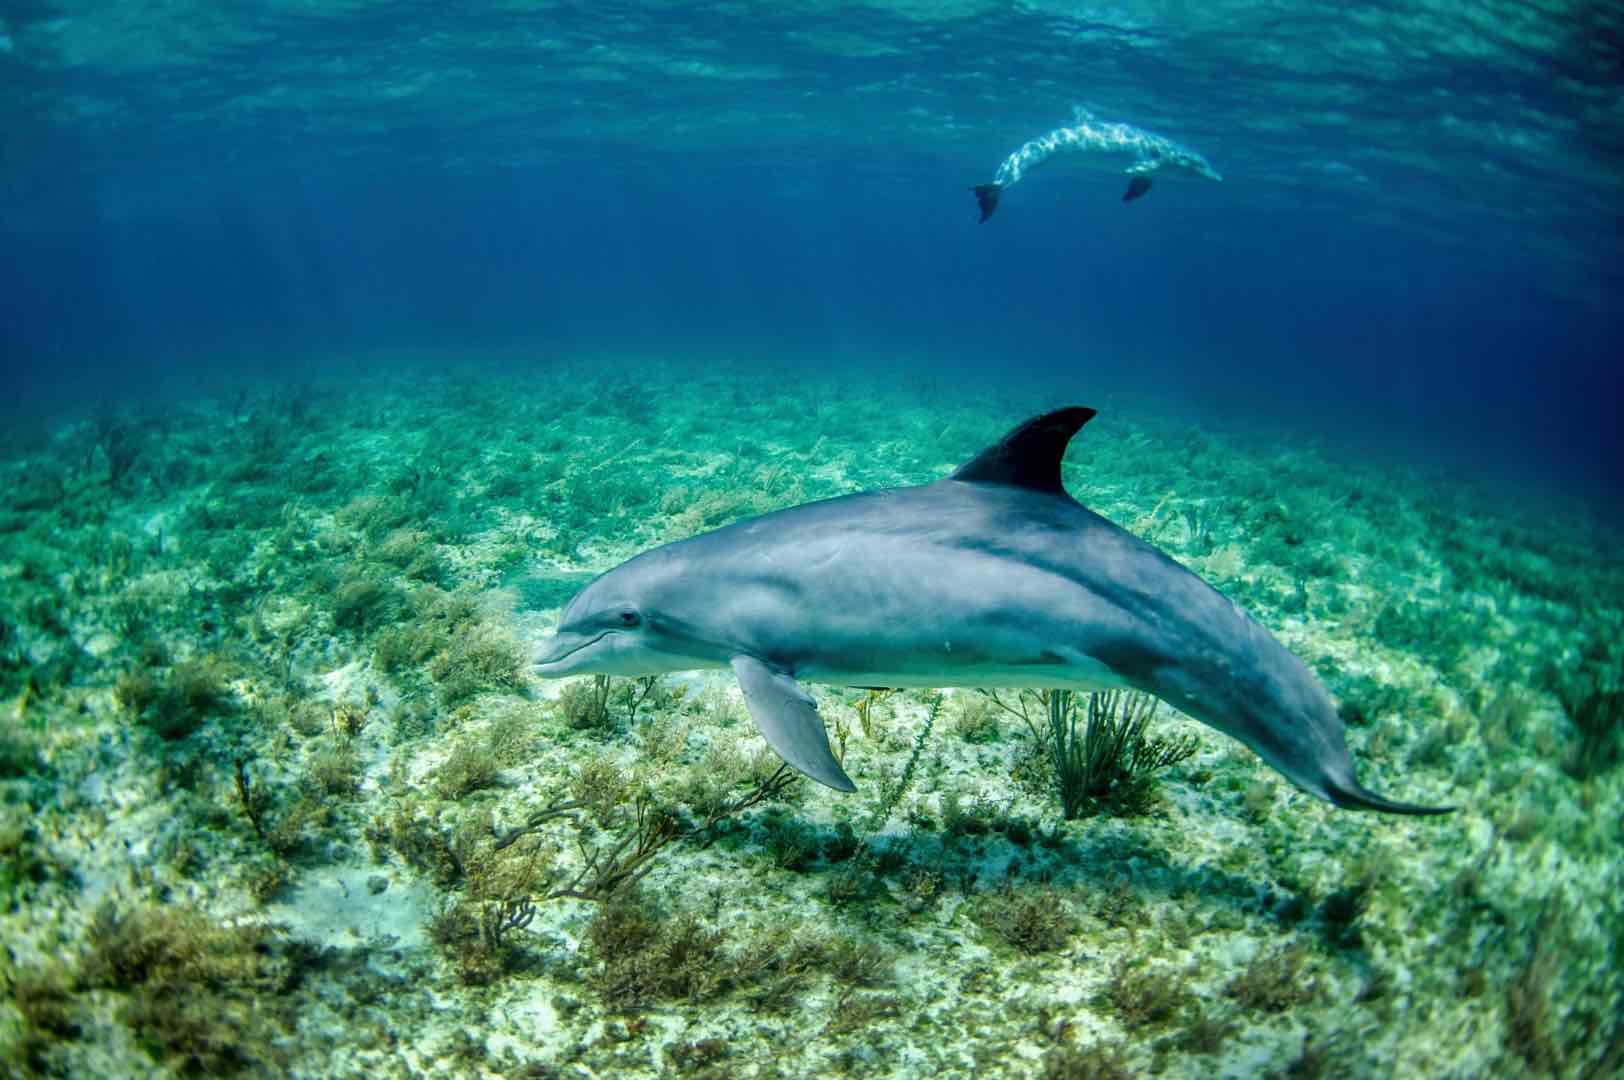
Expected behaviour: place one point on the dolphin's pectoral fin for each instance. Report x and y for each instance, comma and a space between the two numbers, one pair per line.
1028, 457
1137, 186
987, 199
789, 720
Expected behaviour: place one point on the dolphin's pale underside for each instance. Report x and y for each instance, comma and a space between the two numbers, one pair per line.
991, 577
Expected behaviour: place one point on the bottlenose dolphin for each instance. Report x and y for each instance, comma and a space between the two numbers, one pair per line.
991, 577
1145, 151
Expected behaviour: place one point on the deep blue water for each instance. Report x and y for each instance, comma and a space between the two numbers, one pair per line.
1417, 244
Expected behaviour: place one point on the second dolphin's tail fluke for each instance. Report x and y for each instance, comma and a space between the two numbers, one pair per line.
987, 198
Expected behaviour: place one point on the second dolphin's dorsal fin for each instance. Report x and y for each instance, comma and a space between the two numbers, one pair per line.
1028, 457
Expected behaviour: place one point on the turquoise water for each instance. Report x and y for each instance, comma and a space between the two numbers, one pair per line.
345, 343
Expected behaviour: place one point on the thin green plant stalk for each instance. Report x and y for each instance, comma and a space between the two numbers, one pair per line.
893, 793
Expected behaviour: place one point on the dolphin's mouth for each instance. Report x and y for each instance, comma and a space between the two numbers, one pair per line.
560, 657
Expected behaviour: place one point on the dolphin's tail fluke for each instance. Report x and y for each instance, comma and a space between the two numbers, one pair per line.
1352, 795
987, 198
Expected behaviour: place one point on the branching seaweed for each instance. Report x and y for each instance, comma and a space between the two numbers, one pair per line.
891, 794
501, 893
1112, 765
1599, 717
1199, 520
640, 690
120, 445
251, 800
606, 871
586, 705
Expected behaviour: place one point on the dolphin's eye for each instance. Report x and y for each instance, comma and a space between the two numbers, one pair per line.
629, 618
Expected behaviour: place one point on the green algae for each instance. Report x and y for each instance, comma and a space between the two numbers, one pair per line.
296, 697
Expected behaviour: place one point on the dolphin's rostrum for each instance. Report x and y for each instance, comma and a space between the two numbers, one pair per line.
990, 577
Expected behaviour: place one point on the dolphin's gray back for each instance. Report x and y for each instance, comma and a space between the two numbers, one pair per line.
1091, 143
967, 584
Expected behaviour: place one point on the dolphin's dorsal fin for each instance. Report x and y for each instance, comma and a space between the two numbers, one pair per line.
1028, 457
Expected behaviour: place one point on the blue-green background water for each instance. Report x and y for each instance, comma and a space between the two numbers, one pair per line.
1417, 243
341, 343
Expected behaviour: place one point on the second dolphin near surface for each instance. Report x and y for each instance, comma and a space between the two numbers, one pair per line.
1146, 153
990, 577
